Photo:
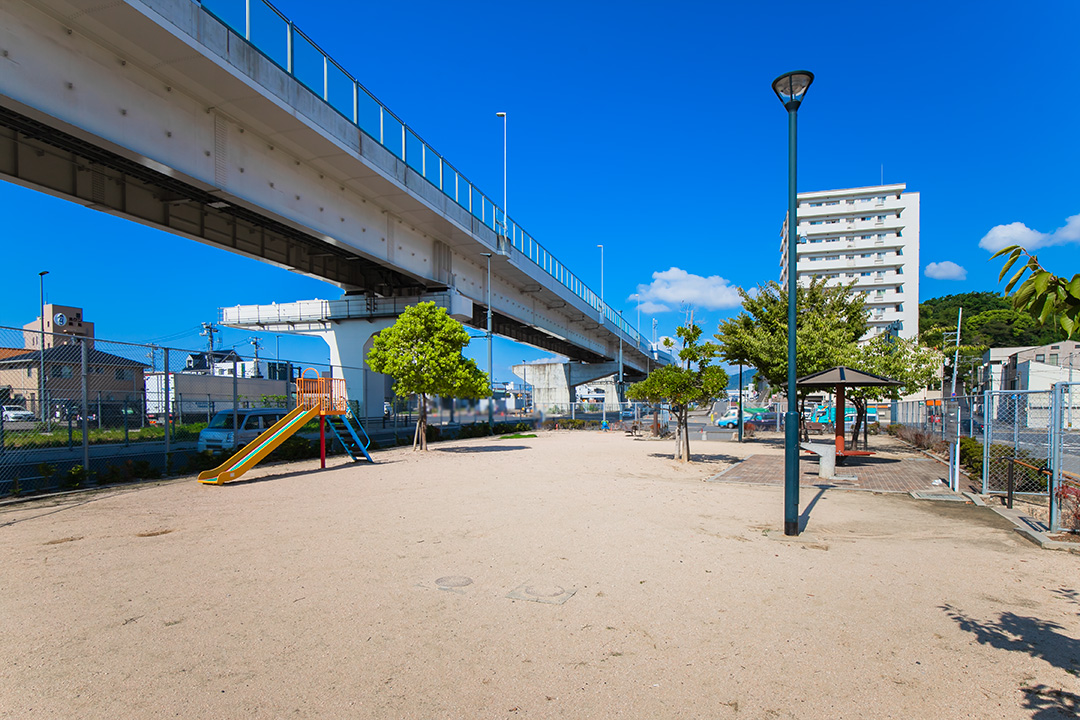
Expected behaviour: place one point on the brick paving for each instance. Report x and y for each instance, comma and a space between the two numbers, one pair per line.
882, 474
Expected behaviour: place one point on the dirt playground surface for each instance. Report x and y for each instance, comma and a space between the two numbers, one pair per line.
574, 575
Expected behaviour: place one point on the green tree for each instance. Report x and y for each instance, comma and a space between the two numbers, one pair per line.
915, 366
693, 380
1050, 299
937, 314
422, 352
829, 320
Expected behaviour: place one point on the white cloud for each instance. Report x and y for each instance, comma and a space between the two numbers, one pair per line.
674, 287
947, 270
1018, 233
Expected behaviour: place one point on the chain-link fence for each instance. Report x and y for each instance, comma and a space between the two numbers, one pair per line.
80, 411
1015, 442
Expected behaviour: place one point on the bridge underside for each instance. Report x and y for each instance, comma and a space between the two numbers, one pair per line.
44, 157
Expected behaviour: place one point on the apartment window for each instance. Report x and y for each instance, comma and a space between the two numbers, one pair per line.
880, 292
899, 308
62, 371
880, 218
1040, 358
864, 274
865, 255
834, 202
29, 371
865, 219
816, 222
1055, 347
899, 271
816, 240
1053, 359
899, 251
123, 374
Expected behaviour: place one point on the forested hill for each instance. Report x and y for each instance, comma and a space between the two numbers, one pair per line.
989, 320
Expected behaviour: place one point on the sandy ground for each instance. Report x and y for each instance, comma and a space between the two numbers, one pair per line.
574, 575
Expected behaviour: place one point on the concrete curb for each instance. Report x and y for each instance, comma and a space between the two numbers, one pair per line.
1027, 529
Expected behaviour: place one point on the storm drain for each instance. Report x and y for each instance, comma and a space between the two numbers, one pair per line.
947, 496
550, 594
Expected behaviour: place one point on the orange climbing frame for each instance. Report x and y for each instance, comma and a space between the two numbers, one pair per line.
327, 394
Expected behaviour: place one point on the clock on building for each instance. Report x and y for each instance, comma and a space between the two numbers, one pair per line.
60, 319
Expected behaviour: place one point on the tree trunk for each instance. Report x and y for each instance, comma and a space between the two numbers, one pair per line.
423, 421
860, 418
682, 435
804, 433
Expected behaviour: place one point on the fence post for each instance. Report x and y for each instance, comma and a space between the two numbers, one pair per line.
85, 408
1057, 424
235, 403
168, 410
1012, 482
988, 433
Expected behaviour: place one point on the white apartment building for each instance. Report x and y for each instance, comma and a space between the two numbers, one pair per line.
868, 236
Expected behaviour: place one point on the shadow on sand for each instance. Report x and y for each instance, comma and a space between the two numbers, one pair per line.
469, 449
1039, 639
701, 457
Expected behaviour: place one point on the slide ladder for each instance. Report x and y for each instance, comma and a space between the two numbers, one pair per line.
260, 447
345, 429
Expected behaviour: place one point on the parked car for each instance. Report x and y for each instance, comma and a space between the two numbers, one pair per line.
768, 419
14, 413
221, 435
731, 418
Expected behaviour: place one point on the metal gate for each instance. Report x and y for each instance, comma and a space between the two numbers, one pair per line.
1032, 446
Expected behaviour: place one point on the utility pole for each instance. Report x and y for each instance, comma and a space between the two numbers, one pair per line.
208, 332
256, 345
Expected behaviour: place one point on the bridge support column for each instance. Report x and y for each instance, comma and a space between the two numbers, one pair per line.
553, 383
350, 341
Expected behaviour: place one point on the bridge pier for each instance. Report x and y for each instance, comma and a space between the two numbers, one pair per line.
553, 383
348, 326
350, 341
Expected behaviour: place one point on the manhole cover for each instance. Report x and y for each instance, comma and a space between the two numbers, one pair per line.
542, 593
453, 581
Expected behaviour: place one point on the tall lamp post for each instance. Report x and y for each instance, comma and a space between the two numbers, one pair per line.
505, 217
41, 353
491, 376
791, 88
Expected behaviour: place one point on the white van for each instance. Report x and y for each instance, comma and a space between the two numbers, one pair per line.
221, 435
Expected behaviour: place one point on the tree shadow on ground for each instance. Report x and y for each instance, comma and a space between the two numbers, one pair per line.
702, 458
1050, 703
482, 448
1038, 638
1068, 594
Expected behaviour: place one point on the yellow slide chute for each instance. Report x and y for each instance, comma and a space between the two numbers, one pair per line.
260, 447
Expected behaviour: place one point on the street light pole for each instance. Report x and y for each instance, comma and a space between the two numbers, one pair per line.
491, 376
791, 88
41, 353
601, 283
505, 217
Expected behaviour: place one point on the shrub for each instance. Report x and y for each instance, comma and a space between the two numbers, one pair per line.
205, 460
1068, 496
75, 477
294, 448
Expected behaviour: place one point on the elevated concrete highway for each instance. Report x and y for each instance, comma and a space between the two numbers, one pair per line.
209, 126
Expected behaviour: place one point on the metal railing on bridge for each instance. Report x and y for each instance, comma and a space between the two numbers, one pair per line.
272, 34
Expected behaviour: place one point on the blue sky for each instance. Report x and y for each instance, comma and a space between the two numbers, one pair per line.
650, 128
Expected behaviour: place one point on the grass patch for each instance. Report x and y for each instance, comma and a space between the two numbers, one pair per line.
517, 436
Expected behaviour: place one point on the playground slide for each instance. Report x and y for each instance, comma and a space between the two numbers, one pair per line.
259, 448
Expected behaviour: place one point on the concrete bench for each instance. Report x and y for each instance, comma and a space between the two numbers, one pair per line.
826, 453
